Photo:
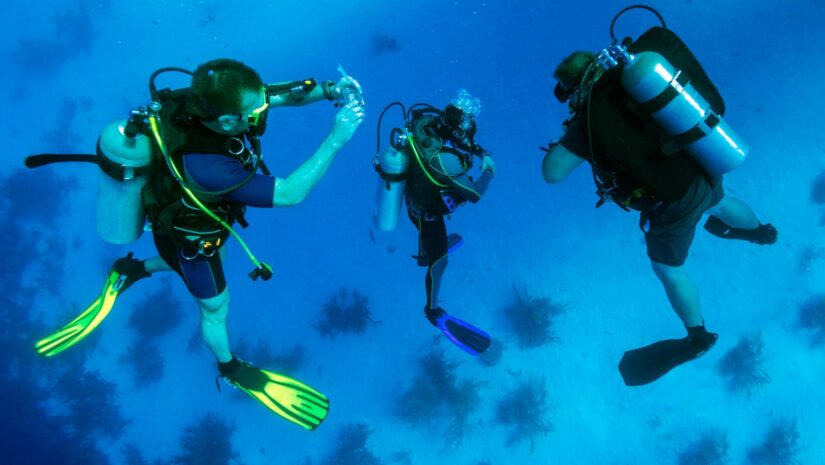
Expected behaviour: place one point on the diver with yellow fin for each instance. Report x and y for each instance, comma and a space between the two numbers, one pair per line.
430, 166
649, 121
190, 163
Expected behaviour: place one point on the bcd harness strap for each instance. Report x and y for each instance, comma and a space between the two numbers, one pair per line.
262, 270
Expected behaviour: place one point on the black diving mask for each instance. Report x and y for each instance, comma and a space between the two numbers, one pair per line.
457, 127
563, 93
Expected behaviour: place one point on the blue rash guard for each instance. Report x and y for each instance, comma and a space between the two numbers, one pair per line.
203, 275
215, 172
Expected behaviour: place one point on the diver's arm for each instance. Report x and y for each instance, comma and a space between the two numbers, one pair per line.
323, 90
294, 188
470, 190
566, 154
559, 163
464, 184
305, 93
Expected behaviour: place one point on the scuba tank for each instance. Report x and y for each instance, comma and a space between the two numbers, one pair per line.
668, 95
392, 166
125, 158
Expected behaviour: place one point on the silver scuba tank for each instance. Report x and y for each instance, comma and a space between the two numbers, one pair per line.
392, 165
665, 92
124, 164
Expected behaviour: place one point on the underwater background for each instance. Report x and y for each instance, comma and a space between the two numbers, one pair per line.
563, 288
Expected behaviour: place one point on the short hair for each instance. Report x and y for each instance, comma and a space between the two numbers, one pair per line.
217, 86
570, 71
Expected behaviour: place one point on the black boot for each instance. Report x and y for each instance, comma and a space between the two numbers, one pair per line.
433, 314
764, 234
701, 340
131, 270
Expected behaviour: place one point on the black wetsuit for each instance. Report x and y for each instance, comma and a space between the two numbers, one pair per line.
438, 183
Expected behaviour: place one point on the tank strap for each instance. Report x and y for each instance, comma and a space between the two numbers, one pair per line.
118, 171
667, 96
390, 177
692, 135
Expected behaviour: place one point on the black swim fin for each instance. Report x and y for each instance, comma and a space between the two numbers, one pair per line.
764, 234
647, 364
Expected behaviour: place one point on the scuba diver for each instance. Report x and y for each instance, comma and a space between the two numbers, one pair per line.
189, 163
648, 120
430, 165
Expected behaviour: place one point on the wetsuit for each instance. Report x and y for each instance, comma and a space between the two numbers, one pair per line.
427, 203
203, 274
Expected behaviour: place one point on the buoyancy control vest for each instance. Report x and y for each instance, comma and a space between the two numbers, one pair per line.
170, 211
428, 188
627, 143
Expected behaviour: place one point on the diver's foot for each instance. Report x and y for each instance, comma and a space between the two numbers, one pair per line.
227, 369
764, 234
433, 314
287, 397
700, 339
241, 373
467, 337
130, 269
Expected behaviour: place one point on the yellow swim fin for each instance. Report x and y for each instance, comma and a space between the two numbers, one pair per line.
287, 397
124, 273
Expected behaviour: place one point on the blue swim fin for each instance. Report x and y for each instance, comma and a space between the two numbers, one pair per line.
467, 337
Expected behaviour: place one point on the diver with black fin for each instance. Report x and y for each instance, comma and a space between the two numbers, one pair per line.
431, 167
649, 121
190, 163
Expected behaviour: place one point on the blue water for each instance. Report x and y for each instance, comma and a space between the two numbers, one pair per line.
72, 67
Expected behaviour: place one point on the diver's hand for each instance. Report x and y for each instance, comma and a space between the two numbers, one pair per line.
344, 84
487, 164
346, 122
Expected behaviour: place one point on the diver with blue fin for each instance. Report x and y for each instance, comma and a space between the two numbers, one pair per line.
431, 167
649, 122
190, 163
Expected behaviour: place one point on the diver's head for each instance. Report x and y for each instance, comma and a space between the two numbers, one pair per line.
569, 74
456, 126
458, 123
227, 96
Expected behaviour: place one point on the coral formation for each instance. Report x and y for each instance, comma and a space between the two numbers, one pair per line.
779, 446
711, 448
158, 313
437, 390
532, 318
347, 311
207, 442
351, 448
525, 409
818, 189
812, 318
146, 362
743, 365
32, 432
